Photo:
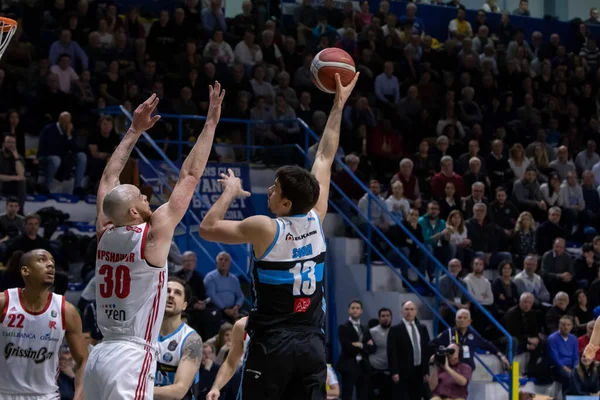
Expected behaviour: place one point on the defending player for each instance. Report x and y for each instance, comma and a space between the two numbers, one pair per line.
33, 323
232, 361
286, 354
179, 349
133, 244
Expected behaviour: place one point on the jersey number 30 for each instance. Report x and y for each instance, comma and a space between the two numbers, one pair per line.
116, 280
305, 282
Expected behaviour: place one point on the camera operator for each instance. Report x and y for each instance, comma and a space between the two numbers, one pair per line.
449, 381
468, 339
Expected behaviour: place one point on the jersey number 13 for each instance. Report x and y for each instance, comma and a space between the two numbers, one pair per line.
305, 282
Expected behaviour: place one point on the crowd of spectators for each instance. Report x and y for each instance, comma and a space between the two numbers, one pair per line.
482, 144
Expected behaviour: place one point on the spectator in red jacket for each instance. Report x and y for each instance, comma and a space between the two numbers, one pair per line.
447, 174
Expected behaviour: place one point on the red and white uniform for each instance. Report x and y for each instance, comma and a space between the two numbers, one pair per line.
130, 303
30, 344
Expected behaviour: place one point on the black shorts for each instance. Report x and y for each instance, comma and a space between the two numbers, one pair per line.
284, 365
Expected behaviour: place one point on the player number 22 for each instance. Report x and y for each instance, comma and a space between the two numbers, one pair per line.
305, 282
116, 280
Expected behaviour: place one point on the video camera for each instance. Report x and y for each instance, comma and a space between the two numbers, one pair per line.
441, 354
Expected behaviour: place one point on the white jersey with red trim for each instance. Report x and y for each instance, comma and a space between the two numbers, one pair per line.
130, 294
30, 343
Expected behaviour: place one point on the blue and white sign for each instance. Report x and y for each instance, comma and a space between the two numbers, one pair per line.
209, 189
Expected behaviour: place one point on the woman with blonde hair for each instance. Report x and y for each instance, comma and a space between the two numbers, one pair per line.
541, 162
524, 238
517, 161
223, 342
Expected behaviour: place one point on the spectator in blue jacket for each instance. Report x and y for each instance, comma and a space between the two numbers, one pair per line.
564, 353
58, 154
223, 288
65, 45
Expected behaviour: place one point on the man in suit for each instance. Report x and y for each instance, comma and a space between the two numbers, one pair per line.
353, 364
408, 355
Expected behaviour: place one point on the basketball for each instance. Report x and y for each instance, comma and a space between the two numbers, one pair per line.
329, 62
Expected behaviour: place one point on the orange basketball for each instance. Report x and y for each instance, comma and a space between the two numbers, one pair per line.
329, 62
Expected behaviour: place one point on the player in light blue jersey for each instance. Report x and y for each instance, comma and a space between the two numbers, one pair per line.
179, 348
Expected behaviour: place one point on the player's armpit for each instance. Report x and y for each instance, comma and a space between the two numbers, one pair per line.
258, 230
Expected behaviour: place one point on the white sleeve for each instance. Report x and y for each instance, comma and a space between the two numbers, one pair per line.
331, 375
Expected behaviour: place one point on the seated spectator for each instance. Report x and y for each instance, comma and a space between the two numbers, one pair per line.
434, 233
523, 242
283, 88
67, 77
464, 161
65, 45
409, 181
548, 231
551, 190
556, 312
581, 312
469, 111
523, 9
504, 289
586, 266
409, 247
591, 198
397, 204
30, 239
475, 174
571, 200
562, 346
459, 240
374, 209
66, 374
557, 269
58, 154
503, 213
101, 144
497, 165
483, 236
527, 195
12, 170
470, 339
523, 323
247, 52
224, 51
208, 370
224, 289
530, 282
387, 90
451, 380
517, 161
584, 340
586, 159
459, 28
213, 19
481, 289
447, 174
451, 292
477, 196
12, 222
562, 165
450, 202
584, 380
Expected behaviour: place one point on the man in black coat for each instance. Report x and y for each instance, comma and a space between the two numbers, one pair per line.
408, 356
523, 323
353, 363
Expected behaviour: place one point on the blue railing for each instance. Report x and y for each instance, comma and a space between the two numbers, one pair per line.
373, 200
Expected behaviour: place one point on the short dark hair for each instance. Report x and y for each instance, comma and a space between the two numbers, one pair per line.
531, 168
383, 309
504, 263
298, 186
33, 216
500, 189
12, 199
357, 301
587, 247
187, 293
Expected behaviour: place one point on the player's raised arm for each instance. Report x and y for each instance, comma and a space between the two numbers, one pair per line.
258, 230
142, 121
328, 146
230, 365
77, 346
166, 218
188, 367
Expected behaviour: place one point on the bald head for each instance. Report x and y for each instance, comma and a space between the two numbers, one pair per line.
122, 205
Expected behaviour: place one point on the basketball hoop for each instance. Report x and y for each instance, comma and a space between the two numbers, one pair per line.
8, 27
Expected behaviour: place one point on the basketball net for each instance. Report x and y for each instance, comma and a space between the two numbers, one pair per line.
8, 27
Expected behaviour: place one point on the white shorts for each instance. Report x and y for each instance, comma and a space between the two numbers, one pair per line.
119, 371
52, 396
